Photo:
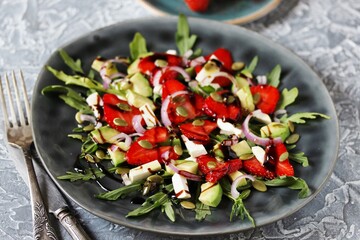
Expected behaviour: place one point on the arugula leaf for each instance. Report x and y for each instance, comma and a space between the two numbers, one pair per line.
292, 183
184, 41
69, 96
301, 116
239, 209
70, 62
151, 203
120, 192
168, 210
252, 64
299, 157
201, 211
137, 46
87, 175
287, 97
273, 77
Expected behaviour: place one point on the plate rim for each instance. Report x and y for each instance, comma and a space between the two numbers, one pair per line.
304, 202
238, 20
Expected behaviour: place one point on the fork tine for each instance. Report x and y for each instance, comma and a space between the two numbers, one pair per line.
25, 96
18, 101
12, 120
3, 105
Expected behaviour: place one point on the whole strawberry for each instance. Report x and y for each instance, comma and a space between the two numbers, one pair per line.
197, 5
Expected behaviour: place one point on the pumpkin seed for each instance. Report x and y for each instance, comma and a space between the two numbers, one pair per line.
178, 149
120, 122
89, 127
230, 99
187, 204
217, 97
91, 158
100, 154
256, 98
145, 144
210, 66
160, 63
182, 111
259, 185
155, 179
198, 122
291, 126
246, 156
124, 107
122, 170
236, 66
293, 138
284, 156
211, 164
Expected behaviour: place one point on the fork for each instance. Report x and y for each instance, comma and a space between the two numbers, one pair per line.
19, 136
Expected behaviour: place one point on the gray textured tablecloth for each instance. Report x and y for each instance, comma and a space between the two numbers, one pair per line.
325, 33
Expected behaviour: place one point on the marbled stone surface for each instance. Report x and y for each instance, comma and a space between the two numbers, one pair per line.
325, 33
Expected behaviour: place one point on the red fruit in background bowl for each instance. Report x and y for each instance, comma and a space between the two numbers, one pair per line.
197, 5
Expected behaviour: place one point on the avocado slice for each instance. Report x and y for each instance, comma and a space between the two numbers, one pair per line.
140, 85
117, 156
241, 148
235, 175
185, 165
246, 99
107, 134
138, 100
211, 194
275, 129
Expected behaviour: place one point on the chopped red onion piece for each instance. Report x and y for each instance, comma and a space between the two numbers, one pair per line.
122, 136
277, 114
165, 155
186, 174
88, 118
136, 122
234, 192
256, 139
106, 78
164, 106
197, 61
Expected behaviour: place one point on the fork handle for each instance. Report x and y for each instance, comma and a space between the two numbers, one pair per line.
41, 225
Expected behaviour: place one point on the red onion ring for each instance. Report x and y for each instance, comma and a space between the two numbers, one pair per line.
209, 79
136, 122
256, 139
197, 61
186, 174
122, 136
88, 118
159, 73
234, 192
277, 114
164, 106
106, 78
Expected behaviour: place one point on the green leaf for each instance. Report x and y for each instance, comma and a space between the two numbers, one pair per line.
301, 185
299, 157
168, 209
299, 118
280, 182
292, 183
137, 46
253, 64
69, 96
70, 62
273, 77
120, 192
239, 210
153, 202
87, 175
201, 211
287, 97
184, 41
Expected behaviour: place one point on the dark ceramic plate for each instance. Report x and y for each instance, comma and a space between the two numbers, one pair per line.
230, 11
53, 120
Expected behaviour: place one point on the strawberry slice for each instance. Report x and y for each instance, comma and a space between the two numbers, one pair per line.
283, 167
220, 109
254, 167
198, 133
214, 170
269, 97
197, 5
224, 56
147, 64
119, 114
139, 153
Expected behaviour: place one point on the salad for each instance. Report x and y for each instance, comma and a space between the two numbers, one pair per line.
181, 128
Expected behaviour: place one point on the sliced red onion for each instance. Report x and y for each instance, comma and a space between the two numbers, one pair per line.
122, 136
197, 61
234, 192
207, 80
186, 174
277, 114
156, 78
88, 118
250, 81
164, 106
256, 139
136, 122
136, 135
165, 155
106, 78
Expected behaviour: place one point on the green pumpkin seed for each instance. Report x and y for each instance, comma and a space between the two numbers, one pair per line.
124, 107
210, 66
246, 156
182, 111
160, 63
284, 156
89, 127
91, 158
230, 99
178, 149
155, 179
237, 66
100, 154
198, 122
217, 97
259, 185
293, 138
291, 126
120, 122
211, 164
187, 204
256, 98
122, 170
145, 144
